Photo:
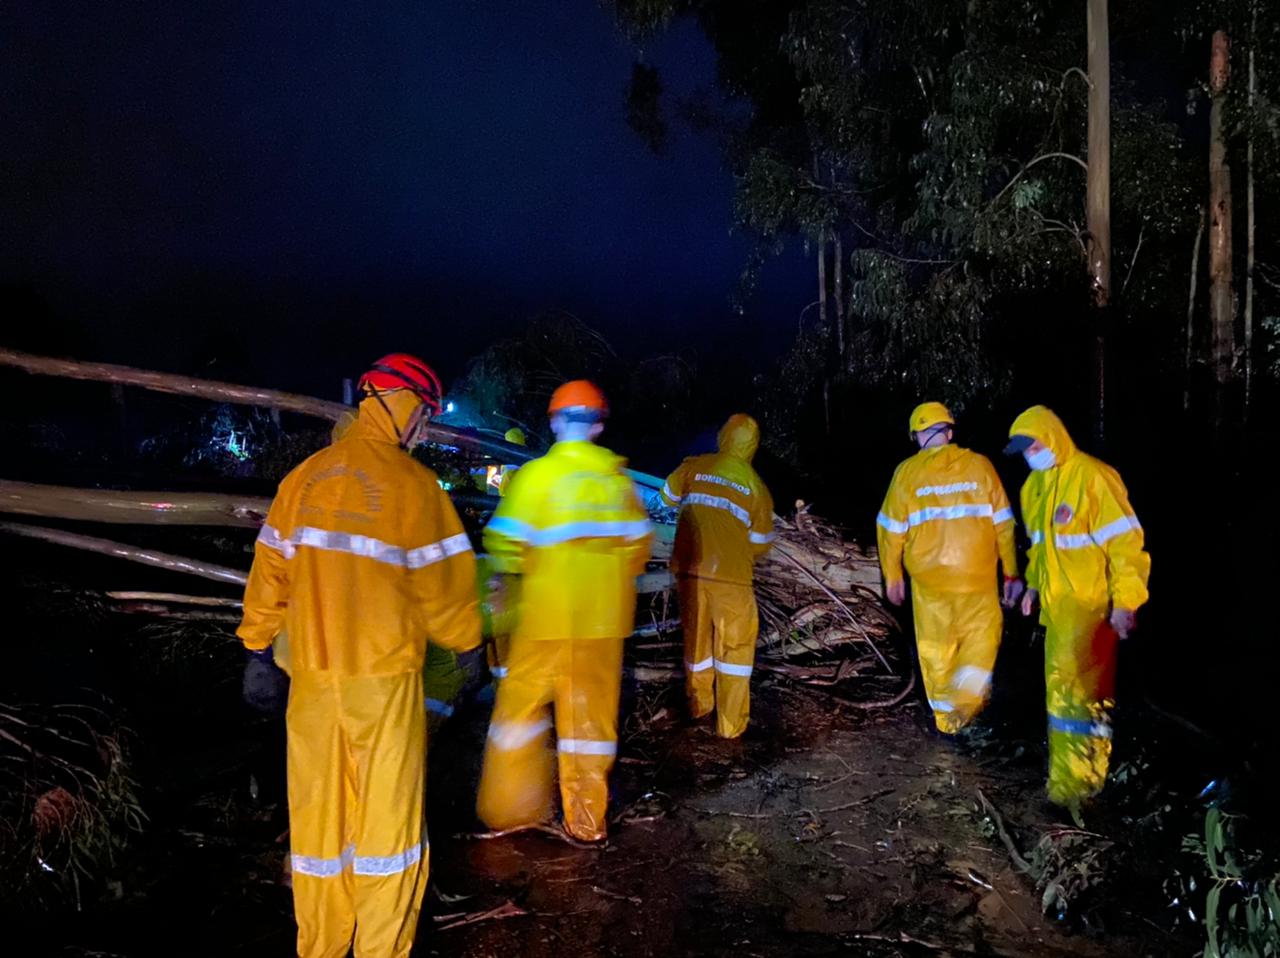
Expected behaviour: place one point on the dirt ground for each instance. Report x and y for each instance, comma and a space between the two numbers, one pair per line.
824, 830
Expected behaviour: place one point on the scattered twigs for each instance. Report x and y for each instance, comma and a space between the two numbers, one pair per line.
864, 800
1021, 863
508, 909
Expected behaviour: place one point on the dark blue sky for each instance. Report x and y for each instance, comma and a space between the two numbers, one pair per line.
341, 179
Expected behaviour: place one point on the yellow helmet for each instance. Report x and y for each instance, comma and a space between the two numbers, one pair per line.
515, 435
929, 414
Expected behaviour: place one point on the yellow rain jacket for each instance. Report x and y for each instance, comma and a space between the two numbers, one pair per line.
946, 513
362, 559
725, 524
572, 525
726, 514
1086, 557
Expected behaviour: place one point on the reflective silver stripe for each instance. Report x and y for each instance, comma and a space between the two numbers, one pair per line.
388, 864
1113, 529
972, 679
1004, 515
568, 531
511, 528
1060, 723
513, 735
893, 525
761, 538
270, 537
1080, 540
719, 502
364, 546
666, 491
1037, 537
971, 511
940, 706
322, 867
726, 668
498, 671
700, 666
586, 746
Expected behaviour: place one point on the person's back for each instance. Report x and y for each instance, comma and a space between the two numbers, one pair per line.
362, 559
725, 525
573, 528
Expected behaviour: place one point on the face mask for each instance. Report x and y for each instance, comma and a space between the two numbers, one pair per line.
1044, 459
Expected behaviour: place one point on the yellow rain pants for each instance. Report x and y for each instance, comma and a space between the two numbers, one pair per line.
580, 679
357, 748
957, 636
720, 629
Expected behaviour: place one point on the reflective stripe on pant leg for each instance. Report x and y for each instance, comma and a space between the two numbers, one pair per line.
735, 627
698, 660
586, 706
516, 780
387, 727
976, 624
1080, 650
321, 812
932, 613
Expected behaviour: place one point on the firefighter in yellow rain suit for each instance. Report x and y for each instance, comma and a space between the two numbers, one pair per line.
725, 524
1089, 571
948, 516
362, 559
573, 528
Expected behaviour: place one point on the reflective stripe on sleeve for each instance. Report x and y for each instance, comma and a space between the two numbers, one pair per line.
719, 502
670, 496
893, 525
761, 538
512, 735
511, 528
1003, 515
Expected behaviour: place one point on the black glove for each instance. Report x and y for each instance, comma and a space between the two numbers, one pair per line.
266, 686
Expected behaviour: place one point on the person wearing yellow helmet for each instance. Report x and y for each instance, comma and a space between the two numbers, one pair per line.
1088, 570
947, 517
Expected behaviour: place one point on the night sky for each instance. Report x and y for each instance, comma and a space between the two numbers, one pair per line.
323, 182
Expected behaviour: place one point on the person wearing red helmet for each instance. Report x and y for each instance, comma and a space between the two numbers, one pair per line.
361, 561
572, 526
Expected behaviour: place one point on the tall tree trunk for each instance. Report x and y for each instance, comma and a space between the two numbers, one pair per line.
1221, 292
822, 279
1252, 222
1191, 312
839, 297
1099, 191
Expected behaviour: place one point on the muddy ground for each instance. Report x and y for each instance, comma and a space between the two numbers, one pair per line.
825, 830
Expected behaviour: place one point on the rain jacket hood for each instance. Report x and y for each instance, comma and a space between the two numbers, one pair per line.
740, 437
1043, 425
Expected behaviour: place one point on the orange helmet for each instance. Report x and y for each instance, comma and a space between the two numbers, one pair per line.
402, 371
579, 395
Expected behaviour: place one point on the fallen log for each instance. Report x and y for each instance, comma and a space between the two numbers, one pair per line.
174, 598
143, 508
151, 557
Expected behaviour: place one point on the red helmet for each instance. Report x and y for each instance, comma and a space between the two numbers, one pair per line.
402, 371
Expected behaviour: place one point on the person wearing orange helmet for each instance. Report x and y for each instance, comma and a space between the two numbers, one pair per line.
575, 531
946, 515
362, 560
725, 525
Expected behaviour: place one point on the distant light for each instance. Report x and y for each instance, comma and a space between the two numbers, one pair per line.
449, 407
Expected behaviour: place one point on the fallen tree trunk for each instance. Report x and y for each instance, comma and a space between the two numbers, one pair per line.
160, 560
143, 508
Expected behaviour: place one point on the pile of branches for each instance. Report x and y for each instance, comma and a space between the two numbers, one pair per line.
822, 620
67, 802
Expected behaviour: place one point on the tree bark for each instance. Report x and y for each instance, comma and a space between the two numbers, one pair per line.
1099, 190
822, 279
1191, 311
1250, 214
142, 508
839, 297
1221, 291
